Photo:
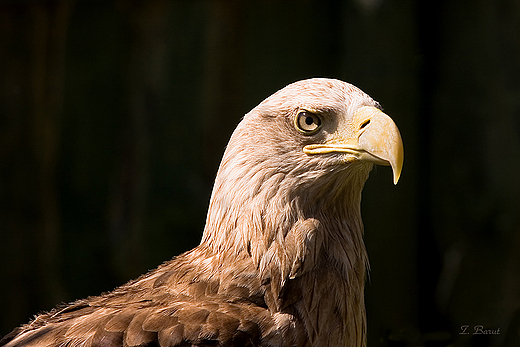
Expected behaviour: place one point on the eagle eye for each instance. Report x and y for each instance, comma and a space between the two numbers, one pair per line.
307, 122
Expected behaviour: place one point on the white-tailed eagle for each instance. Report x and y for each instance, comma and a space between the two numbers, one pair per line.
282, 260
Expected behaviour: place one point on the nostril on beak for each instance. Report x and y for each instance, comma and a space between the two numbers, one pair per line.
364, 124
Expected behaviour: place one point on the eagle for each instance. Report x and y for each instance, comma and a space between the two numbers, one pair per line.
282, 261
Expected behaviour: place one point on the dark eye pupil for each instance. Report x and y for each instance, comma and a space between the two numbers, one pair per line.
307, 122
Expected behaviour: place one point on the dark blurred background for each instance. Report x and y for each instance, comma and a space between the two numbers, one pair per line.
114, 116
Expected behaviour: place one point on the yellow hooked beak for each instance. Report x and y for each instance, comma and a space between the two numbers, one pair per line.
371, 136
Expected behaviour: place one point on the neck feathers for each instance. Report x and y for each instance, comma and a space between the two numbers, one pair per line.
302, 232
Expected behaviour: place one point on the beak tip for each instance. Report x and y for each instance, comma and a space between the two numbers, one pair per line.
397, 167
396, 179
396, 160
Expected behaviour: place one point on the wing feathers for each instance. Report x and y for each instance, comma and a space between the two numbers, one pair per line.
171, 336
192, 315
203, 313
107, 339
160, 320
120, 321
135, 335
